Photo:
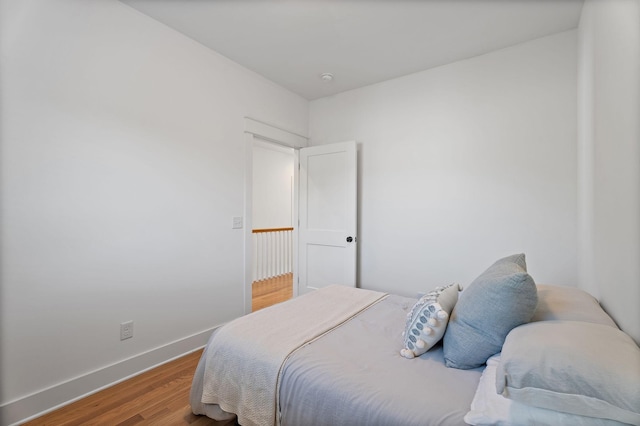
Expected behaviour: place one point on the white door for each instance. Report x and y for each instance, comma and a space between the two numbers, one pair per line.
327, 216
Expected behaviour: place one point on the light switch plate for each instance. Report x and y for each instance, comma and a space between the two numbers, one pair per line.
237, 222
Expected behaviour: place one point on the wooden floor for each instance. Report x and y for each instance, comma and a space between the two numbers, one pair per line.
159, 396
268, 292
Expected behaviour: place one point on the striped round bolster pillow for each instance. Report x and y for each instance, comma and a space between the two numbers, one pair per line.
428, 320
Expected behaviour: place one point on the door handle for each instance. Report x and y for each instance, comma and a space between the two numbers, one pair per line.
350, 239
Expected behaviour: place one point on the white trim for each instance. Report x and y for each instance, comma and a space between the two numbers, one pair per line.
274, 134
296, 218
39, 403
248, 221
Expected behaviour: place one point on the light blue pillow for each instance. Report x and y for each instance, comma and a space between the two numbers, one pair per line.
501, 298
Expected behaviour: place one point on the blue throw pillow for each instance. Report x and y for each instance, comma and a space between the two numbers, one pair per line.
501, 298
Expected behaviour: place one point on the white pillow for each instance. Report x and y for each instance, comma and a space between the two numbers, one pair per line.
427, 321
490, 408
572, 366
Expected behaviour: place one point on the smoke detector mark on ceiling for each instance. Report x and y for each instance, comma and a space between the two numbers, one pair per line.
327, 77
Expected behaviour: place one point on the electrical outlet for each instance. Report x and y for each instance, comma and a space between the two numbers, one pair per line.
126, 330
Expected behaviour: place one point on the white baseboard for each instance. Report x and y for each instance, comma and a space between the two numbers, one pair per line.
54, 397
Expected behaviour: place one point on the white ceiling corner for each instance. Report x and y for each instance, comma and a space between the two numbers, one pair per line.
361, 42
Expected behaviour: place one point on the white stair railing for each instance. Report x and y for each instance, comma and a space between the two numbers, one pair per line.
272, 252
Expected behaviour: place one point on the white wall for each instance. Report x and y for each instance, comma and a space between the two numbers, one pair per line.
122, 167
272, 185
609, 154
463, 164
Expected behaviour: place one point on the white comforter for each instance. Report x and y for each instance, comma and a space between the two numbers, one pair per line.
244, 360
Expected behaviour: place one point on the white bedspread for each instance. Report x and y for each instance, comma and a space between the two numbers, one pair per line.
245, 358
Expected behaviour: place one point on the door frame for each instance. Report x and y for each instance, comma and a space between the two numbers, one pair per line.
257, 129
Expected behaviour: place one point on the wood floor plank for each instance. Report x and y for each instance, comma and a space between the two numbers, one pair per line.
158, 397
133, 420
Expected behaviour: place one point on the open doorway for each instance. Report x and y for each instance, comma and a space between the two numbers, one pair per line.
257, 132
339, 253
272, 223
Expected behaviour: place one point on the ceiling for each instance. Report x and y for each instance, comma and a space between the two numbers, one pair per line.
361, 42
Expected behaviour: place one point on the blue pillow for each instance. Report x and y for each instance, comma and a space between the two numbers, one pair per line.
501, 298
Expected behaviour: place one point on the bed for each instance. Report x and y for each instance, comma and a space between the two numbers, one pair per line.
502, 351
